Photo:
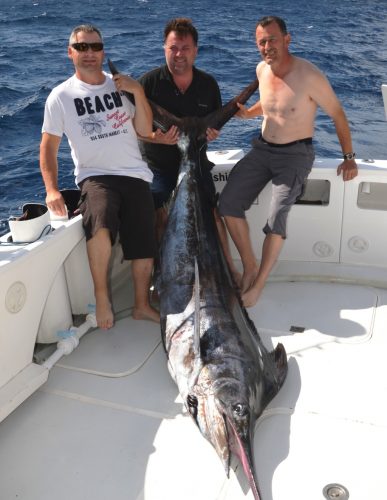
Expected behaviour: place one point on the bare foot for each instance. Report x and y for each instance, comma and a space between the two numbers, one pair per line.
103, 313
147, 313
250, 298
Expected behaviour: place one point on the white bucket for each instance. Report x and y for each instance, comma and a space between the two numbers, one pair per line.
34, 223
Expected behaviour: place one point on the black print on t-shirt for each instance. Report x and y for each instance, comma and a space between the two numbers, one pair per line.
91, 125
97, 104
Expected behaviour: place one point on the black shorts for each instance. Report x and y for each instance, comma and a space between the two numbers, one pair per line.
123, 205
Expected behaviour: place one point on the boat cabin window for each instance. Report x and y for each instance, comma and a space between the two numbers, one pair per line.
316, 192
372, 195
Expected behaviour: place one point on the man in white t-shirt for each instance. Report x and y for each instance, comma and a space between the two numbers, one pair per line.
101, 125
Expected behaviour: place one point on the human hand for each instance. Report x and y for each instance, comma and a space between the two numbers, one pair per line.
170, 137
56, 203
212, 134
243, 111
348, 168
126, 83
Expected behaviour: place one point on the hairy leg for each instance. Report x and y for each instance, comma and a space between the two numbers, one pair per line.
271, 249
240, 234
99, 252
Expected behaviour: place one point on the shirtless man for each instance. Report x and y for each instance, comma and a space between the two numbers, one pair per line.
291, 89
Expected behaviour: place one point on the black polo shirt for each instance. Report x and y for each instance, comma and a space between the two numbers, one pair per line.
201, 98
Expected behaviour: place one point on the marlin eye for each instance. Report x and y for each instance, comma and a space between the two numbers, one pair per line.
240, 409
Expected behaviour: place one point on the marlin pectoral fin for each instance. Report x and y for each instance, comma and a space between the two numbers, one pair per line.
277, 373
281, 363
162, 118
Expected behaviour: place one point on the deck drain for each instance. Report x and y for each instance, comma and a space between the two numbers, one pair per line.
335, 492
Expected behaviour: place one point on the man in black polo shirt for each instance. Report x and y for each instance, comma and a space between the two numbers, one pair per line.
182, 89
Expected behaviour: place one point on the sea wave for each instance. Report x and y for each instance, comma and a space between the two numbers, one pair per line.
16, 102
345, 39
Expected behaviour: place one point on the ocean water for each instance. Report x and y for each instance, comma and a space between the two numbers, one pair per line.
346, 39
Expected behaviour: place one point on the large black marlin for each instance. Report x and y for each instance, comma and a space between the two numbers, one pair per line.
224, 373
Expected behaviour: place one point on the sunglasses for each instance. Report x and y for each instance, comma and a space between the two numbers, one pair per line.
83, 46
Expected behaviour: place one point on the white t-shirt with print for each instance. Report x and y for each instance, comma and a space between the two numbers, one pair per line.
97, 121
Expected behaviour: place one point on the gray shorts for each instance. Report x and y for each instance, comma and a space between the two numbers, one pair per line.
124, 206
286, 165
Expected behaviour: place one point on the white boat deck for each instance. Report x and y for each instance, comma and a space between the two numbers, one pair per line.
108, 423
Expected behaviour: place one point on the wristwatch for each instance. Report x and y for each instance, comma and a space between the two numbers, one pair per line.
349, 156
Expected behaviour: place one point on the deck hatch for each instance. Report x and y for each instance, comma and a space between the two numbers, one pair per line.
372, 196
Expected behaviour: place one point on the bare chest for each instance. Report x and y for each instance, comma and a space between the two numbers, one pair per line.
285, 97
